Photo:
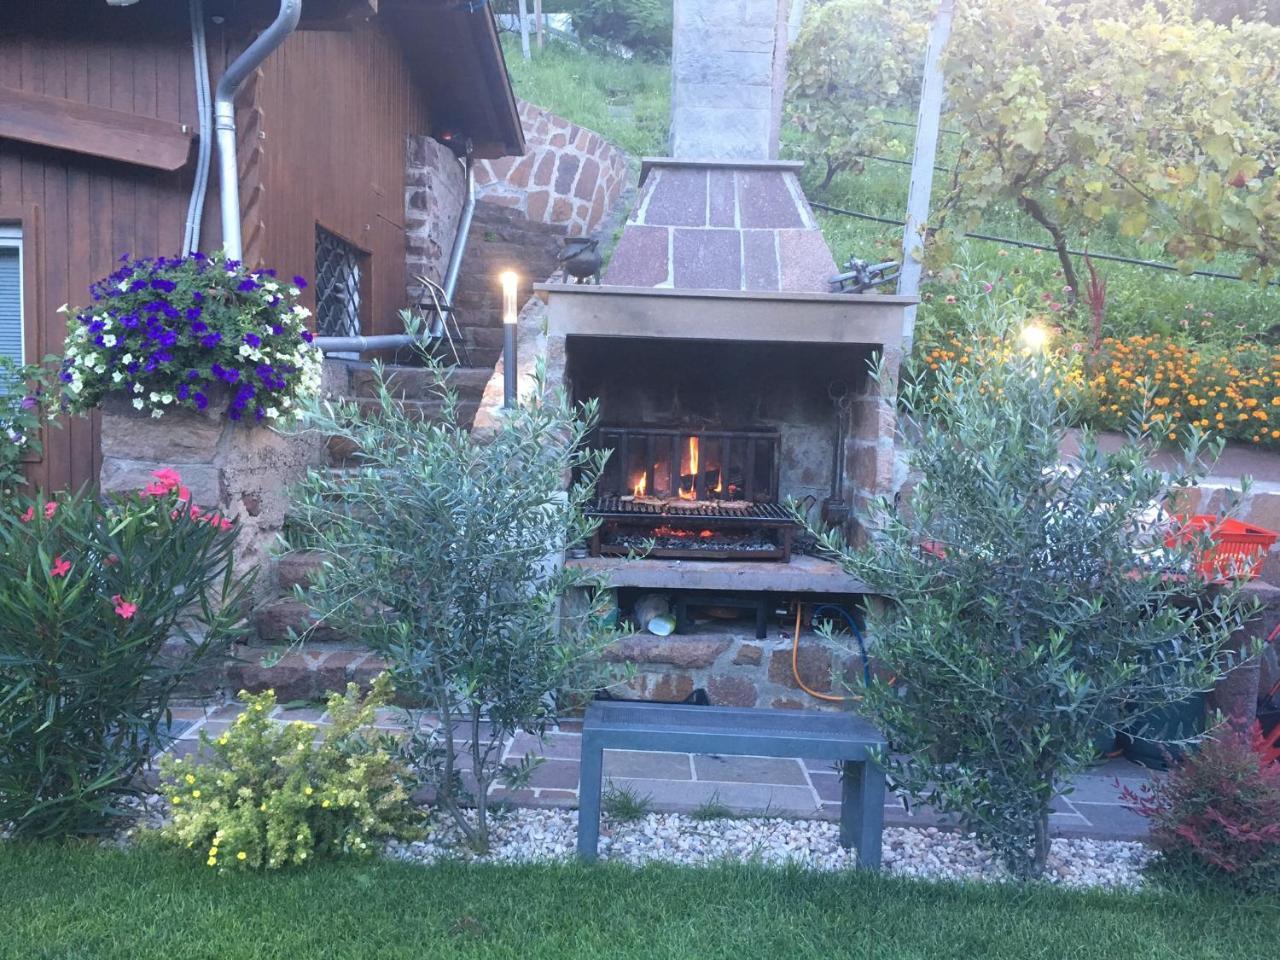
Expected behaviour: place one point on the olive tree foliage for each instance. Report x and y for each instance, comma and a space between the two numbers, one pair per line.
1031, 603
853, 61
443, 553
1162, 126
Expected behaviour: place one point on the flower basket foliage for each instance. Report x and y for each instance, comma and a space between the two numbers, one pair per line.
107, 606
190, 332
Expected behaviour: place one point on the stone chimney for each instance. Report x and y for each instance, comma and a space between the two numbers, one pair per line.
728, 74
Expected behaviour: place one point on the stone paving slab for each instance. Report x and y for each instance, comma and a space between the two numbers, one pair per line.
680, 782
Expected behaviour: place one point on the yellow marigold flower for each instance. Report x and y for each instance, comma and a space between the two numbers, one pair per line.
175, 800
212, 861
190, 779
325, 804
195, 794
308, 791
241, 855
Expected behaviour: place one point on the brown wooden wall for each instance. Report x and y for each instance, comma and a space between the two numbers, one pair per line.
323, 131
336, 107
80, 213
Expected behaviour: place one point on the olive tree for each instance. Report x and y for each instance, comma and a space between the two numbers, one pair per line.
1031, 600
442, 554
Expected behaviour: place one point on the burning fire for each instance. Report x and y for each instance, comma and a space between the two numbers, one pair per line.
692, 492
681, 533
638, 489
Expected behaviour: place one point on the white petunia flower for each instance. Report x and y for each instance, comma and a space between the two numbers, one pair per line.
137, 388
137, 403
109, 339
117, 377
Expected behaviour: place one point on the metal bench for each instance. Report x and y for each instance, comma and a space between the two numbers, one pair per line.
673, 728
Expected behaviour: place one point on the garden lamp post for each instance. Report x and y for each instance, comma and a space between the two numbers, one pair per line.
509, 281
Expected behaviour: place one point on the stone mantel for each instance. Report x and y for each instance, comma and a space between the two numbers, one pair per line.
802, 575
738, 315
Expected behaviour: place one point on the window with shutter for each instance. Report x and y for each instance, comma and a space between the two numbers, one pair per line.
11, 330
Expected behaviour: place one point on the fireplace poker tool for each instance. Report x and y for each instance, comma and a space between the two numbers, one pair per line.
834, 510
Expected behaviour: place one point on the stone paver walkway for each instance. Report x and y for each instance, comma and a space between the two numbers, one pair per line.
681, 782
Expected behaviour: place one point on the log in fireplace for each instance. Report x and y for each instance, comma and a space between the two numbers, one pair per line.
704, 494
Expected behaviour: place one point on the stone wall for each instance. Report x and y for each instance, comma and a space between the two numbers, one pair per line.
435, 190
570, 176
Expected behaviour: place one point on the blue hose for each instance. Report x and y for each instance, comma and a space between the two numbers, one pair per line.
853, 628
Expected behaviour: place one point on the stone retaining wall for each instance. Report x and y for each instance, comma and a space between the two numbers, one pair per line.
570, 176
435, 190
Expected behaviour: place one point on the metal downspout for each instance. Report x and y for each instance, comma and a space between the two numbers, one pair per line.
224, 112
464, 230
204, 109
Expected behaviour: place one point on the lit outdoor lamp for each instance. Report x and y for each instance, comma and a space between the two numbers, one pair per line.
1035, 337
509, 282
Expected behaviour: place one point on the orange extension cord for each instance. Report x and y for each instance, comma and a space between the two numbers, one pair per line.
795, 665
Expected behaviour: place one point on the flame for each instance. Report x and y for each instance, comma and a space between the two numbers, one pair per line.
692, 492
638, 487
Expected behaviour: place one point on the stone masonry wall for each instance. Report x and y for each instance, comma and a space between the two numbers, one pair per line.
570, 176
735, 668
435, 190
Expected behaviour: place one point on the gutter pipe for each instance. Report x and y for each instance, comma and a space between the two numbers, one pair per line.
464, 229
224, 111
204, 110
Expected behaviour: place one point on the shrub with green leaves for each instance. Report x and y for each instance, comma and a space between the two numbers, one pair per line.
1031, 600
106, 607
444, 555
23, 390
266, 794
642, 26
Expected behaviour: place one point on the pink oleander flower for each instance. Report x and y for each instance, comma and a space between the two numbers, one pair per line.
169, 477
60, 567
50, 509
124, 609
29, 515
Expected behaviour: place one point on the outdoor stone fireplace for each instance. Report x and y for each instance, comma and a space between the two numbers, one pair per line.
730, 382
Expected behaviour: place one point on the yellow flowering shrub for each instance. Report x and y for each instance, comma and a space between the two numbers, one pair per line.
266, 794
1233, 393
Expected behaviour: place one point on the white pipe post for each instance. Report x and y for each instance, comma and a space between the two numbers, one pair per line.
922, 162
524, 29
538, 22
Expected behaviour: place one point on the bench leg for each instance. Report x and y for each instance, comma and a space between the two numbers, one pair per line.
862, 811
590, 773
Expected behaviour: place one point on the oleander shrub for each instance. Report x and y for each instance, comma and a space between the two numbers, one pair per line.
267, 795
1215, 819
191, 331
107, 606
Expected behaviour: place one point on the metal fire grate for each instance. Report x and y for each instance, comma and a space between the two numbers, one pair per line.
756, 513
339, 266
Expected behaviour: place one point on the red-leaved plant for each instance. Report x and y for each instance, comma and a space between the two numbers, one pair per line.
1215, 819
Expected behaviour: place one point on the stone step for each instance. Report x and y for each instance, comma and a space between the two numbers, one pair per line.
298, 568
284, 619
422, 383
309, 672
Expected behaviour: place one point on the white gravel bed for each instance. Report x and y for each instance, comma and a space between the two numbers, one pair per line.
528, 835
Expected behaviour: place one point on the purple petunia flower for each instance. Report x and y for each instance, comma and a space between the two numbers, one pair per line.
211, 341
247, 285
193, 374
300, 283
193, 313
29, 403
233, 414
201, 400
198, 297
306, 335
184, 391
253, 340
137, 285
199, 326
165, 286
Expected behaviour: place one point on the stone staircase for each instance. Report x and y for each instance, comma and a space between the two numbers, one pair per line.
327, 660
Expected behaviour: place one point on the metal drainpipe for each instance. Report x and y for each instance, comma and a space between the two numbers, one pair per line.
224, 112
464, 230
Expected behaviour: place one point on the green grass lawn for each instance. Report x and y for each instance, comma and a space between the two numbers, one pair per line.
91, 903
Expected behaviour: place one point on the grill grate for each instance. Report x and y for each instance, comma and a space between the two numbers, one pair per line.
701, 510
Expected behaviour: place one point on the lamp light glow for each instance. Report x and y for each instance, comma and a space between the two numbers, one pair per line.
509, 281
1035, 337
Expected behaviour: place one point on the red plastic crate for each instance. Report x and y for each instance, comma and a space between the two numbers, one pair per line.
1238, 548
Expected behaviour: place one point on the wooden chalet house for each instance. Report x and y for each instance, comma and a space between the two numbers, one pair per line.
100, 125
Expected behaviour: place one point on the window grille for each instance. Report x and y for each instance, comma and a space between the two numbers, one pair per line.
339, 267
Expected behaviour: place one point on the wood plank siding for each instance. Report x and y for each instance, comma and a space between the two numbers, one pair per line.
336, 107
322, 131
